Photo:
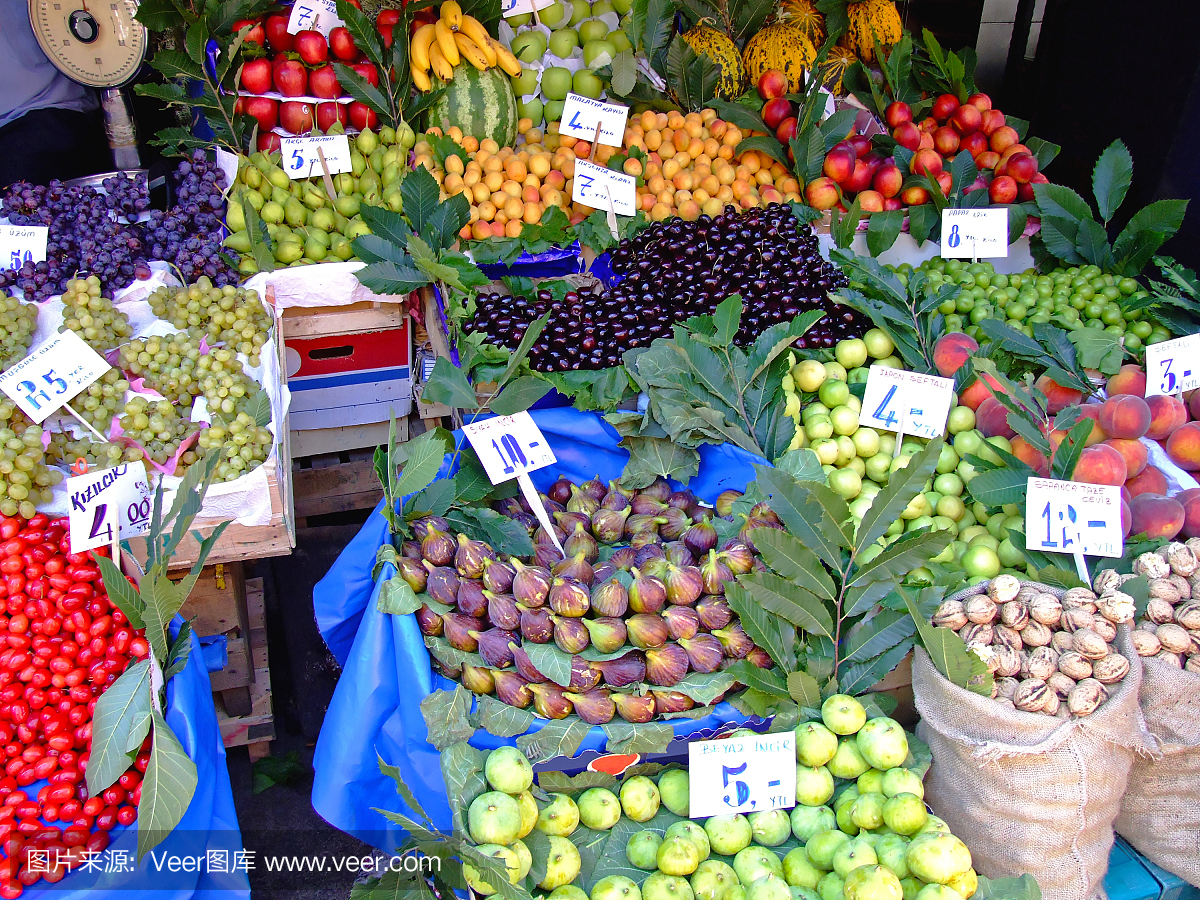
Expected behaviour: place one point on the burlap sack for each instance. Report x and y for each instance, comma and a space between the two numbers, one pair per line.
1029, 792
1160, 813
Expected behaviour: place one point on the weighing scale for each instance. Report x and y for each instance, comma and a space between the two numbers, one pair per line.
99, 44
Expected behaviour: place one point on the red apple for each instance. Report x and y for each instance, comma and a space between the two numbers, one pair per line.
897, 113
1002, 190
821, 193
1022, 167
323, 83
914, 196
268, 142
966, 119
981, 102
329, 113
786, 130
839, 163
888, 180
312, 47
256, 76
944, 107
772, 84
776, 110
987, 160
907, 135
926, 162
945, 181
992, 119
257, 33
861, 144
860, 178
296, 116
362, 117
974, 143
945, 141
277, 34
291, 79
342, 44
891, 203
265, 109
386, 23
367, 71
870, 201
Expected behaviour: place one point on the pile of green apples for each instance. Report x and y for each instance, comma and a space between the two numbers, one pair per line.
860, 831
578, 32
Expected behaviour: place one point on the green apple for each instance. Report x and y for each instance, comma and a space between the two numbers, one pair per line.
598, 53
529, 46
556, 83
553, 110
619, 40
532, 109
587, 84
622, 6
563, 41
592, 30
526, 82
600, 7
518, 21
552, 14
580, 10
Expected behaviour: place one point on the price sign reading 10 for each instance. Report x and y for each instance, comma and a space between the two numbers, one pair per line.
509, 446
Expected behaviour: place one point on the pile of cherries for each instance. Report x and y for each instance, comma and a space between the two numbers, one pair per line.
62, 644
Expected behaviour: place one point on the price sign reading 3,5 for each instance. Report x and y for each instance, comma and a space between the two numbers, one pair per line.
106, 499
974, 233
301, 159
509, 446
52, 375
906, 402
314, 15
1173, 366
1070, 517
745, 774
593, 185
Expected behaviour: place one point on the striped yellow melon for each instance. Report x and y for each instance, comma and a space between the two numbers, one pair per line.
872, 20
781, 45
834, 68
721, 49
807, 16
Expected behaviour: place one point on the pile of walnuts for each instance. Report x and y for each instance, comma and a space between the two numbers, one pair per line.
1170, 630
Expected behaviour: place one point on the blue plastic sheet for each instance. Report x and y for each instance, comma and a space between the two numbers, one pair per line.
209, 826
550, 263
385, 666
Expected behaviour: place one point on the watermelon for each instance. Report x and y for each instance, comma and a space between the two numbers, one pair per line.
481, 103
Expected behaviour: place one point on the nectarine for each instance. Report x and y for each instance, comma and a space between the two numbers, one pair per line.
1156, 516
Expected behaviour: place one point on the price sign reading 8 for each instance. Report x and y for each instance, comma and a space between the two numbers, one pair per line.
509, 446
906, 402
751, 773
1074, 518
1173, 366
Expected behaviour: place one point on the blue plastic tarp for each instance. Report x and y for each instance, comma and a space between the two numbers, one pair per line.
386, 669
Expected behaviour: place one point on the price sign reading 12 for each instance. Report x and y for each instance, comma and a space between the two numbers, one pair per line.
509, 446
745, 774
1173, 366
1075, 518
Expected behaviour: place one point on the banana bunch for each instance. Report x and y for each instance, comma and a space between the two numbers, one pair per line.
452, 39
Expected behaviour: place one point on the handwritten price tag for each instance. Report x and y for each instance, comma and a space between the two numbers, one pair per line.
21, 244
315, 15
521, 7
906, 402
106, 499
302, 160
509, 446
974, 233
742, 774
53, 374
1173, 366
1071, 517
593, 185
581, 114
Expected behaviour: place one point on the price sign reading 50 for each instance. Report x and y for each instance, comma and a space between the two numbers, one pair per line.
1173, 366
509, 446
744, 774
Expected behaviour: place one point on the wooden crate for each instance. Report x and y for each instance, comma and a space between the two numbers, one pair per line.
320, 441
333, 483
256, 728
322, 321
217, 606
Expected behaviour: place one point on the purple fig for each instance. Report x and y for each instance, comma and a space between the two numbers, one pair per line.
607, 633
594, 707
609, 525
581, 543
498, 576
699, 513
735, 643
422, 526
704, 652
411, 550
441, 584
584, 675
581, 502
624, 558
633, 708
646, 546
700, 538
438, 547
610, 598
682, 622
536, 625
614, 487
625, 670
570, 635
478, 680
471, 557
576, 568
428, 621
528, 520
502, 611
638, 523
525, 667
460, 631
512, 689
550, 701
761, 658
684, 585
470, 599
551, 506
646, 594
601, 572
646, 630
677, 522
643, 505
412, 572
546, 556
666, 665
569, 598
509, 506
659, 489
568, 520
671, 702
714, 573
531, 584
724, 504
541, 537
654, 566
684, 499
765, 515
615, 501
738, 556
594, 488
560, 491
678, 554
714, 612
495, 646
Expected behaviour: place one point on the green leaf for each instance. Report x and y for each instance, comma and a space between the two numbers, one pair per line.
561, 737
875, 635
624, 73
119, 724
899, 558
788, 601
1043, 151
425, 454
520, 395
692, 75
791, 559
802, 465
462, 770
445, 715
650, 457
1098, 349
167, 787
743, 117
999, 486
157, 15
260, 239
527, 341
1023, 888
396, 597
1111, 178
501, 719
434, 500
1061, 202
762, 627
811, 512
507, 536
561, 783
197, 37
727, 317
768, 681
882, 230
550, 661
420, 193
861, 677
357, 87
159, 595
121, 593
705, 688
763, 143
448, 384
903, 485
651, 737
181, 649
803, 688
1067, 456
843, 228
921, 222
948, 652
1092, 243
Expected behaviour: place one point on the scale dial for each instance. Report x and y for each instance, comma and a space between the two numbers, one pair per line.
100, 45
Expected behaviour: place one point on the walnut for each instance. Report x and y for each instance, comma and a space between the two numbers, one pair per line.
1008, 661
1075, 665
1111, 669
950, 615
1014, 614
1043, 662
1173, 638
1090, 645
1151, 565
980, 609
1188, 615
1003, 636
1181, 558
1075, 619
1046, 608
1117, 607
1171, 659
1086, 696
1005, 702
976, 634
1006, 687
1061, 641
1061, 684
1185, 586
1165, 589
1193, 664
987, 654
1003, 588
1104, 628
1027, 593
1194, 544
1051, 706
1035, 634
1160, 611
1031, 695
1105, 579
1146, 642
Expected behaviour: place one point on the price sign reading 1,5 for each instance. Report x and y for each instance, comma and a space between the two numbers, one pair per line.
1071, 517
1173, 366
745, 774
509, 446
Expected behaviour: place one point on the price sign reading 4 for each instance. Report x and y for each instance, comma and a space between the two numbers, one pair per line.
1173, 366
906, 402
52, 375
509, 446
106, 499
1075, 518
744, 774
581, 115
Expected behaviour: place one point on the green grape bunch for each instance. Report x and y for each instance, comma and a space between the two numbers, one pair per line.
243, 444
228, 315
94, 318
18, 321
102, 399
168, 364
25, 480
157, 426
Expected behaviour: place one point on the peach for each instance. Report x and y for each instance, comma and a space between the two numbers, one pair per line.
926, 162
1125, 416
952, 351
1156, 516
1150, 480
1194, 404
944, 107
988, 159
1092, 411
1058, 397
946, 140
1125, 495
1166, 414
1002, 190
1031, 456
967, 119
1003, 138
907, 135
1134, 452
1129, 380
979, 390
992, 119
1190, 500
1101, 464
974, 143
1126, 518
897, 113
870, 201
888, 180
1183, 446
992, 419
914, 196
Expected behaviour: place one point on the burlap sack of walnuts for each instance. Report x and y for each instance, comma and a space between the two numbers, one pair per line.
1160, 813
1029, 792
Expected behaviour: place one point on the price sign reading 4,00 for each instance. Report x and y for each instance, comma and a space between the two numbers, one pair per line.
745, 774
1075, 518
109, 498
1173, 366
509, 446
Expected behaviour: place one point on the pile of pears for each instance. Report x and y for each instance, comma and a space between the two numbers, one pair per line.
304, 224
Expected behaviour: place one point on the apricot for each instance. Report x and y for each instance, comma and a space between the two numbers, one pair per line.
1125, 416
1129, 380
1190, 500
1156, 516
1101, 464
1134, 452
952, 351
1150, 480
1183, 446
1058, 397
992, 419
1031, 456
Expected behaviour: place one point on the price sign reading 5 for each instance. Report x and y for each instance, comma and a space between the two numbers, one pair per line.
303, 160
509, 446
52, 375
1074, 518
744, 774
1173, 366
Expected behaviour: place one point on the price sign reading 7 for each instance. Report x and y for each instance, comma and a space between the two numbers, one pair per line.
1173, 366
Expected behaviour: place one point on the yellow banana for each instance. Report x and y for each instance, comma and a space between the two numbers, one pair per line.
474, 29
441, 66
504, 57
471, 52
418, 51
452, 15
420, 78
444, 38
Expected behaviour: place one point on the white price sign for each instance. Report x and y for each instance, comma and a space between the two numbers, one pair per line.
601, 188
1169, 368
106, 499
314, 15
21, 244
302, 160
745, 774
521, 7
906, 402
52, 375
1071, 517
509, 446
580, 116
974, 233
